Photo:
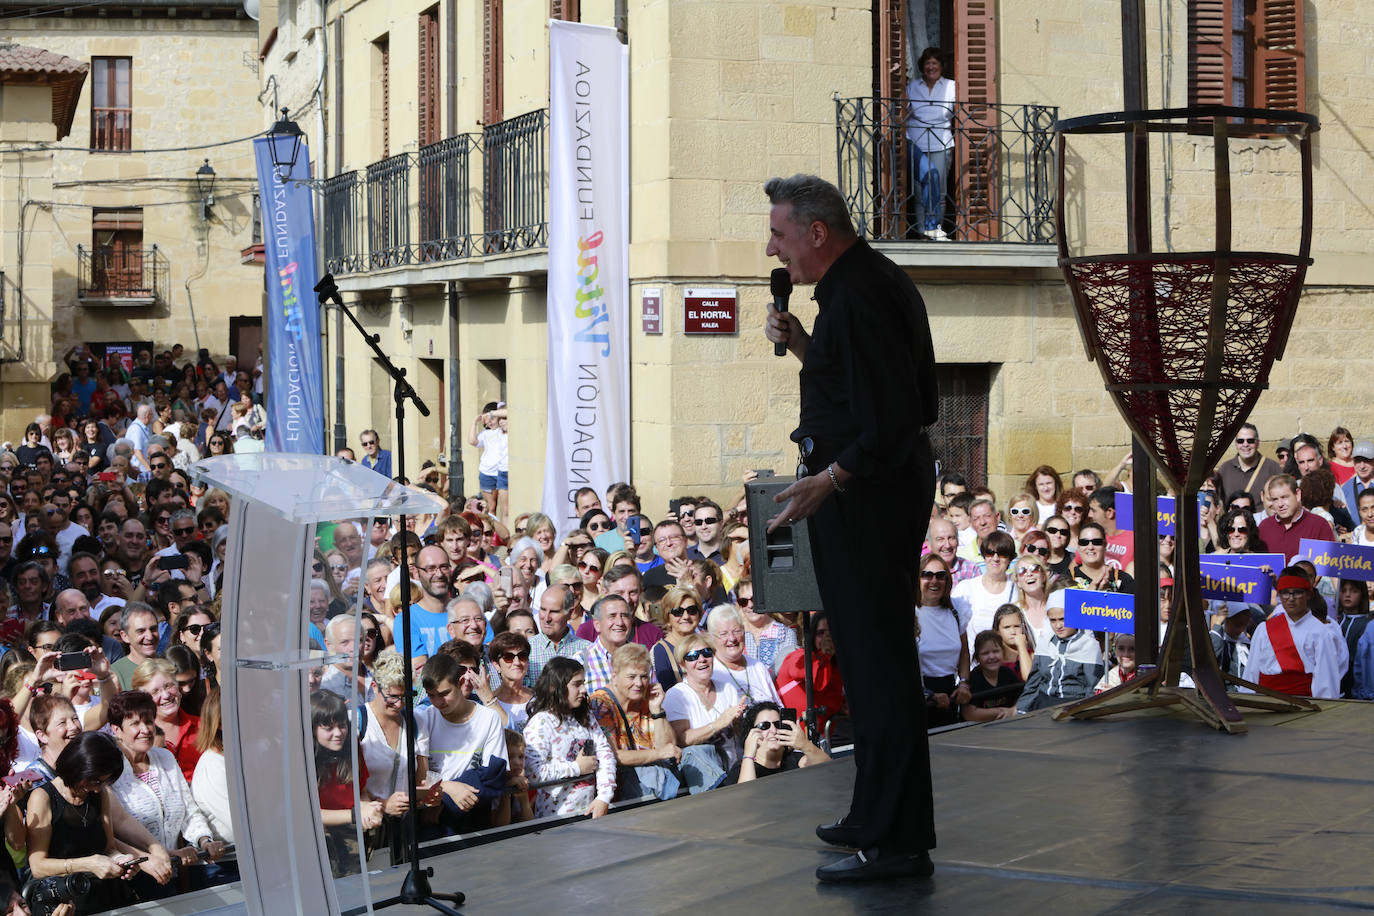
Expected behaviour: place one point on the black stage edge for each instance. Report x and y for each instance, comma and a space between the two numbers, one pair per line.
1148, 813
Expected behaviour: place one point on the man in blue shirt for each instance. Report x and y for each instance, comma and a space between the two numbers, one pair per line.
376, 457
428, 618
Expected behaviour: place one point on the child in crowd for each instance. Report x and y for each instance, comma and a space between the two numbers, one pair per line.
515, 804
1123, 648
985, 705
957, 514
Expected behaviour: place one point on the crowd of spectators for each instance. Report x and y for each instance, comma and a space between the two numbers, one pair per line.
556, 672
991, 616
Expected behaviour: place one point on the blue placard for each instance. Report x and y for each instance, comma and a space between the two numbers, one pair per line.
1235, 582
1165, 512
1111, 612
1344, 561
1274, 561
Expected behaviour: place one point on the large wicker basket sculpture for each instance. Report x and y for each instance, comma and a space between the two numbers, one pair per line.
1185, 342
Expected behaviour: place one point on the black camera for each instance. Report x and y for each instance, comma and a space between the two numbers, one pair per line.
45, 894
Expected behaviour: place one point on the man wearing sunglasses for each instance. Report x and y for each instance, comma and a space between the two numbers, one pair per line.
1249, 471
708, 522
671, 542
374, 456
867, 393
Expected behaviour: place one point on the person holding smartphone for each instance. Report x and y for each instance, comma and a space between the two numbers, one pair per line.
772, 744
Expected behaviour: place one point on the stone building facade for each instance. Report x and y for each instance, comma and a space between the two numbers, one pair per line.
724, 95
133, 254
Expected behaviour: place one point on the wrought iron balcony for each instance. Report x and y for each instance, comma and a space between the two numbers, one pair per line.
999, 185
122, 275
464, 197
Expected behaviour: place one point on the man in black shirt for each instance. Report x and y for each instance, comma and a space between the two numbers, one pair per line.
867, 393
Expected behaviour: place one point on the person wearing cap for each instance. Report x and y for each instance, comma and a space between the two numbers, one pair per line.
1293, 651
1363, 478
1249, 471
1288, 523
1231, 637
1283, 451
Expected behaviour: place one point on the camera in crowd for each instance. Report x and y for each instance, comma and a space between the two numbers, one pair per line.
45, 894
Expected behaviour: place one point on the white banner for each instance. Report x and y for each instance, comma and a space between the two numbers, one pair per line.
588, 284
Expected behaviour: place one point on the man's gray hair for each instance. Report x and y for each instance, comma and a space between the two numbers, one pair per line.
813, 199
605, 600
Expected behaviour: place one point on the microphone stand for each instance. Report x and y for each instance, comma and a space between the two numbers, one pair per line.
415, 889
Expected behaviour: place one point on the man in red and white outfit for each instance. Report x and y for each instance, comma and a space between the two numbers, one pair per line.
1294, 652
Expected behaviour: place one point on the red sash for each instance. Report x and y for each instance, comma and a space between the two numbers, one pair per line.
1293, 679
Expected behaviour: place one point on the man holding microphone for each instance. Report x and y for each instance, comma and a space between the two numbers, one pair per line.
868, 391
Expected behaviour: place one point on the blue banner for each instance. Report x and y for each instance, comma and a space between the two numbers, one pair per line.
295, 377
1235, 582
1111, 612
1344, 561
1274, 561
1165, 512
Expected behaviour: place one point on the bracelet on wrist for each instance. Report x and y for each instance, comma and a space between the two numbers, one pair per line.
834, 481
748, 758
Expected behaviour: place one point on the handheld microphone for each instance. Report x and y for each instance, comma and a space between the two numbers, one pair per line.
780, 283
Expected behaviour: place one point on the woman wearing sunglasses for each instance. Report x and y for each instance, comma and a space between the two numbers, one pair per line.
1057, 530
1238, 532
1037, 590
383, 745
681, 610
1073, 508
979, 598
510, 653
702, 711
590, 566
943, 642
765, 637
772, 745
1021, 514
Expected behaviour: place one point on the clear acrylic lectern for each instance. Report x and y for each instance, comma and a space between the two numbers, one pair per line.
277, 502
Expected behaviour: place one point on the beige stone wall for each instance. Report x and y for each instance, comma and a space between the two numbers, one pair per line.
26, 248
193, 80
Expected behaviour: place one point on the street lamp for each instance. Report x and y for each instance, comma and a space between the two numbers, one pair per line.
285, 141
205, 184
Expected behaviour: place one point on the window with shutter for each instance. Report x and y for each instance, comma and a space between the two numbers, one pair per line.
383, 59
492, 87
567, 10
889, 83
1247, 53
112, 103
976, 152
429, 77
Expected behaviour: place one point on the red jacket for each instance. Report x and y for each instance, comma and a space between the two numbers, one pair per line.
829, 692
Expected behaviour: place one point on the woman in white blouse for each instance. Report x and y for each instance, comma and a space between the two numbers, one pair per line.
930, 140
701, 713
943, 644
750, 677
152, 787
979, 598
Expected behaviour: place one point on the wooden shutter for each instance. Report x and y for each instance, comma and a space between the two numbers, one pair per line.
384, 46
567, 10
429, 77
492, 88
1209, 52
976, 119
892, 184
1280, 61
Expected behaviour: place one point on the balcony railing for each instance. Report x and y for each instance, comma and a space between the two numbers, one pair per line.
463, 197
122, 275
998, 188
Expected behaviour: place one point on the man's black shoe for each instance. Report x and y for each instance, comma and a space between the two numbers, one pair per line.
872, 865
839, 834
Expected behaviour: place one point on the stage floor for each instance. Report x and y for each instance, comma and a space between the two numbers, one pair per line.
1156, 814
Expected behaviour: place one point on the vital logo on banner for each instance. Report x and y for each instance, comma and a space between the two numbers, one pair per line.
295, 380
588, 284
